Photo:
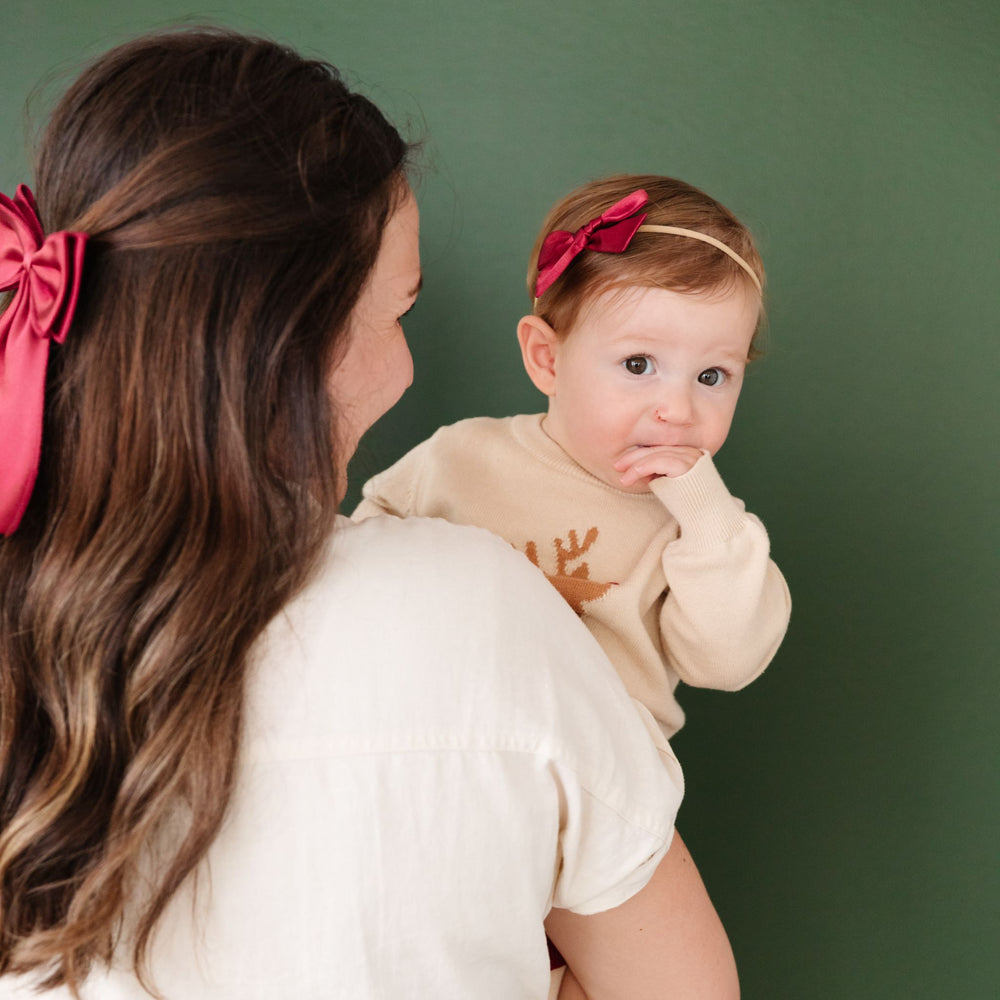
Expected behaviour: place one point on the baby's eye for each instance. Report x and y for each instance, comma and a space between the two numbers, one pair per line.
638, 365
712, 376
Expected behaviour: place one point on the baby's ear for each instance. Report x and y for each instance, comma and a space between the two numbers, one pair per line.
538, 351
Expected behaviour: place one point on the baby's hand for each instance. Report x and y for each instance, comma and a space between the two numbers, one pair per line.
643, 462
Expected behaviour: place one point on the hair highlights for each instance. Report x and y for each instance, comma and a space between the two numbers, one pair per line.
235, 196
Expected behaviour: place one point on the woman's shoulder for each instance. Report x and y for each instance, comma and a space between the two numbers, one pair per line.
446, 582
394, 553
416, 533
423, 592
421, 625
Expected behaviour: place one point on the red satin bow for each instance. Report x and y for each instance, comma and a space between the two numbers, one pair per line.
45, 271
610, 232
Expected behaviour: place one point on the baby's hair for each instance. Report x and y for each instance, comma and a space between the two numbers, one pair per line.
652, 260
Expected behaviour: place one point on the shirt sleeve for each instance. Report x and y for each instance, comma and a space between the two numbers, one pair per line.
610, 784
619, 784
728, 606
596, 836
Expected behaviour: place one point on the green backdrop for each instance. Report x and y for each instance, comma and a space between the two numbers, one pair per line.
844, 808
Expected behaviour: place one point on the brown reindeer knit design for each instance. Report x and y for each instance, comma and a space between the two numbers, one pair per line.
675, 584
574, 585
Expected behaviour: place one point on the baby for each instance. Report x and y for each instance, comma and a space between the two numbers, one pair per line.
647, 303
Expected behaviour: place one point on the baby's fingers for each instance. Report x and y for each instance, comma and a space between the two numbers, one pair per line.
643, 463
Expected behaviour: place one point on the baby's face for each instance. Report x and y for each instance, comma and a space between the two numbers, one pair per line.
646, 367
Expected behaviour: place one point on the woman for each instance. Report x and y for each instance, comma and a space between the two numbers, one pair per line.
247, 749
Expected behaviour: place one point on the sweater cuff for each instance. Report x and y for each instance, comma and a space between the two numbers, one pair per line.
704, 509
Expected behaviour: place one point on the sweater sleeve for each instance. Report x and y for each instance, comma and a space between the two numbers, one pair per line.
394, 490
727, 606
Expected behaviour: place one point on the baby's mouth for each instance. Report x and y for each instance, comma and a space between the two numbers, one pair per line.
660, 444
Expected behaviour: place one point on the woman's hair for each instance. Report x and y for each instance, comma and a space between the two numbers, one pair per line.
234, 195
652, 260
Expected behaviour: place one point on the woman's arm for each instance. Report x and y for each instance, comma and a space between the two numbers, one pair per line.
665, 942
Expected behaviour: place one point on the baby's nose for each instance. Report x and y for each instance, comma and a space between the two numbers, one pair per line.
674, 407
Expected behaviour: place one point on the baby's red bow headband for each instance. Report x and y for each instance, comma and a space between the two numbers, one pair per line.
612, 232
45, 273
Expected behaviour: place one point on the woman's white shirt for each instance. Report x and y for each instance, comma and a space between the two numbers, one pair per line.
436, 752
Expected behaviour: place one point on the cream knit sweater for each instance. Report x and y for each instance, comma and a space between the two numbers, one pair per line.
675, 584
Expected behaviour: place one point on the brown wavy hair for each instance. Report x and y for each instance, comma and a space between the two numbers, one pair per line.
235, 196
652, 260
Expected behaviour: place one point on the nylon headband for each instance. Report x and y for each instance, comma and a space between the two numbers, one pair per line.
705, 238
